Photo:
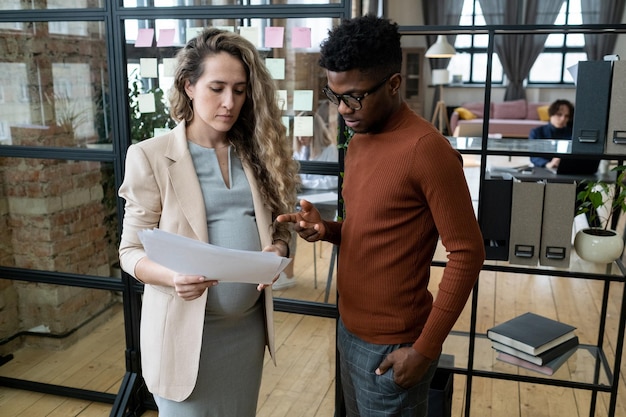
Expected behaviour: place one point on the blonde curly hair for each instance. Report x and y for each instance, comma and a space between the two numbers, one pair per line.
258, 135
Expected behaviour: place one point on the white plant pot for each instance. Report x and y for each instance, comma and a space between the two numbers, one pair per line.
598, 245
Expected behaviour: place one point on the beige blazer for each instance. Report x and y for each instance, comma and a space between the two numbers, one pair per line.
162, 190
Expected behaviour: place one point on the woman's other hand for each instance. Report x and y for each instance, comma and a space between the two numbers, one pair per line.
190, 287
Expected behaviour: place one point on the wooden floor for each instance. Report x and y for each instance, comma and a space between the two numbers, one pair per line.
302, 384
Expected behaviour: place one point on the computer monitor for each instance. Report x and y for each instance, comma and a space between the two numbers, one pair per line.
578, 166
469, 130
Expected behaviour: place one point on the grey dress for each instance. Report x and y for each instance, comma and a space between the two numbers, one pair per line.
233, 342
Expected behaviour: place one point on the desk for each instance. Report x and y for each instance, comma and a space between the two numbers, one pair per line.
511, 146
539, 174
319, 196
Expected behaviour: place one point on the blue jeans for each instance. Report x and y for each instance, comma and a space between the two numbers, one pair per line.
369, 395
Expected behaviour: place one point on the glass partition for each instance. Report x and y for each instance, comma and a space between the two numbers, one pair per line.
54, 84
291, 51
289, 46
58, 215
68, 336
50, 4
68, 78
173, 3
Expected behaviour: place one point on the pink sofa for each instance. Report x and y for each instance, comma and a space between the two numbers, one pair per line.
513, 118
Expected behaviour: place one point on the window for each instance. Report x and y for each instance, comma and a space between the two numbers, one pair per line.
471, 59
560, 52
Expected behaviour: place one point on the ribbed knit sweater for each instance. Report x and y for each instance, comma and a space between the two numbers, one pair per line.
403, 188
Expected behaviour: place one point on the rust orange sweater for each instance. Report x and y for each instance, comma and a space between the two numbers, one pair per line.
403, 188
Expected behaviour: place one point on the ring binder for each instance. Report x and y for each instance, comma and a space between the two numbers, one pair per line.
593, 91
526, 215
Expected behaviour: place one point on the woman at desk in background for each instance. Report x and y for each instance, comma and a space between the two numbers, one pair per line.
561, 113
321, 147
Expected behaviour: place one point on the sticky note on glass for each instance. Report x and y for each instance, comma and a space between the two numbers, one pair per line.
276, 67
146, 103
274, 36
166, 37
148, 67
281, 99
301, 37
169, 67
158, 131
144, 38
303, 126
303, 100
192, 32
251, 33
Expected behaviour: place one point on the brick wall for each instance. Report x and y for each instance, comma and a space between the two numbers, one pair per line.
53, 216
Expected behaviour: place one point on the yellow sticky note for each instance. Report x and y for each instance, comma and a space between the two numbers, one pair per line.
169, 67
251, 33
303, 100
303, 126
158, 131
276, 67
146, 103
192, 32
148, 67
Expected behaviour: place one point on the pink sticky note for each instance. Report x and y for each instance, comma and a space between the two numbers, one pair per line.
166, 37
274, 36
301, 37
144, 38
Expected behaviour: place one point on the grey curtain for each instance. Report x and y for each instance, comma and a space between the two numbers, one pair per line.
518, 52
601, 11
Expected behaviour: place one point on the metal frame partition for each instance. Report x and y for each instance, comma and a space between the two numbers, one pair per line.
132, 398
614, 274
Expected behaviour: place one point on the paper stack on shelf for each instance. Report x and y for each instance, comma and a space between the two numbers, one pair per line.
534, 342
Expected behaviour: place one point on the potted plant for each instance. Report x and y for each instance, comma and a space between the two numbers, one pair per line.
142, 125
600, 201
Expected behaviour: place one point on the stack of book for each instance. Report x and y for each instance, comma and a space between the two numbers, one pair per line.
534, 342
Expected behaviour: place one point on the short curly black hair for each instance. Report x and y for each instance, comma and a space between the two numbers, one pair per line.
556, 106
367, 43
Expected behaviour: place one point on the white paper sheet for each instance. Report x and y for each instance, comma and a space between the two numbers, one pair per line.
314, 198
192, 257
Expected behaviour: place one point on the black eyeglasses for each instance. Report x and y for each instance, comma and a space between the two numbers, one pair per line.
349, 100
